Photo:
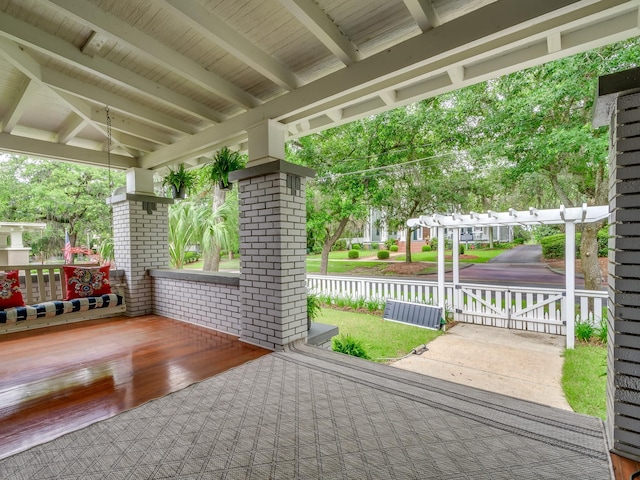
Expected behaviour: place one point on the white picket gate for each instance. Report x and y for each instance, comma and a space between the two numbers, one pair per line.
521, 308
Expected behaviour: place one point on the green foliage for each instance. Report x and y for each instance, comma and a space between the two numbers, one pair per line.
191, 257
433, 243
542, 231
603, 242
353, 254
181, 180
60, 194
383, 254
553, 246
393, 248
313, 307
426, 248
518, 241
584, 331
350, 346
603, 331
356, 246
389, 242
461, 249
223, 162
340, 245
375, 246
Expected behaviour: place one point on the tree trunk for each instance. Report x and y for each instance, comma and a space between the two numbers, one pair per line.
589, 256
408, 246
212, 258
329, 241
490, 237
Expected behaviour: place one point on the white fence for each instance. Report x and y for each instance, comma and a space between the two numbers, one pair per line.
521, 308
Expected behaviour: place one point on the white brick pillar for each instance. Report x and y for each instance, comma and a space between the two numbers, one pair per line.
140, 238
273, 291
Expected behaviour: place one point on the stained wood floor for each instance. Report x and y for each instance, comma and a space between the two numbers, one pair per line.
58, 379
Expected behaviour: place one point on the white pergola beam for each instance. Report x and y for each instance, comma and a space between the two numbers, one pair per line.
70, 128
109, 25
317, 22
211, 27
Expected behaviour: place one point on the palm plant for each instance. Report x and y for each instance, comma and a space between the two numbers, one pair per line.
183, 221
224, 161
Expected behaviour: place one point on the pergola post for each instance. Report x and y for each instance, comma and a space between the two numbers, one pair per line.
570, 285
455, 297
441, 248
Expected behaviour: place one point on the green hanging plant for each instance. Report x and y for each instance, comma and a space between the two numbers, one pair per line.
224, 162
181, 181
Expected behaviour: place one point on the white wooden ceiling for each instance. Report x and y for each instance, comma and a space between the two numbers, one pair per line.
182, 78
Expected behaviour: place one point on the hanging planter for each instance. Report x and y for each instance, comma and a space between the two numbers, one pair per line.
224, 161
180, 181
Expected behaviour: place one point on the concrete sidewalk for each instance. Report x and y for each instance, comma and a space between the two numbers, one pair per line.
517, 363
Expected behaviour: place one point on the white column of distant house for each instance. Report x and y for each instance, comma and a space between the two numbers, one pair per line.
568, 216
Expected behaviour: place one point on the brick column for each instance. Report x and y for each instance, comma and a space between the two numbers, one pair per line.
272, 251
140, 240
619, 106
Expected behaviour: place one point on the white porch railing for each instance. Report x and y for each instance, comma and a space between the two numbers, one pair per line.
521, 308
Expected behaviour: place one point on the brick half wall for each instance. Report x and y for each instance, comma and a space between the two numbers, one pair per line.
210, 300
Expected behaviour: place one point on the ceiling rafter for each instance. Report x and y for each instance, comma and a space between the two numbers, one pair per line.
29, 67
30, 36
145, 46
17, 109
40, 148
318, 23
81, 89
210, 26
70, 128
423, 13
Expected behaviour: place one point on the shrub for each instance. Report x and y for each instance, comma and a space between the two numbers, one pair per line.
313, 307
603, 331
350, 346
341, 244
461, 249
553, 246
356, 246
389, 242
191, 257
434, 243
518, 241
603, 242
353, 254
383, 254
393, 248
584, 330
375, 246
426, 248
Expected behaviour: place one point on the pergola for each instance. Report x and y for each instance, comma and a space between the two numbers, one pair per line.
567, 216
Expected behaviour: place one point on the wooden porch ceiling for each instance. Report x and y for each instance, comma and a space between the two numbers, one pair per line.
181, 79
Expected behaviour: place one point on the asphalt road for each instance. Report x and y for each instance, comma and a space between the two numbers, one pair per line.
520, 266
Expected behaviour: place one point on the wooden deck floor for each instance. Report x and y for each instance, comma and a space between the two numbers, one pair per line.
58, 379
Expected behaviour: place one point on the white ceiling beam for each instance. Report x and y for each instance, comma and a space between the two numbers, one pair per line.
423, 13
107, 24
19, 105
25, 34
89, 92
318, 23
488, 29
58, 151
28, 66
210, 26
70, 128
120, 124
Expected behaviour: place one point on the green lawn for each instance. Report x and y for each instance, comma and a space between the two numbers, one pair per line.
340, 266
481, 256
584, 379
382, 339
